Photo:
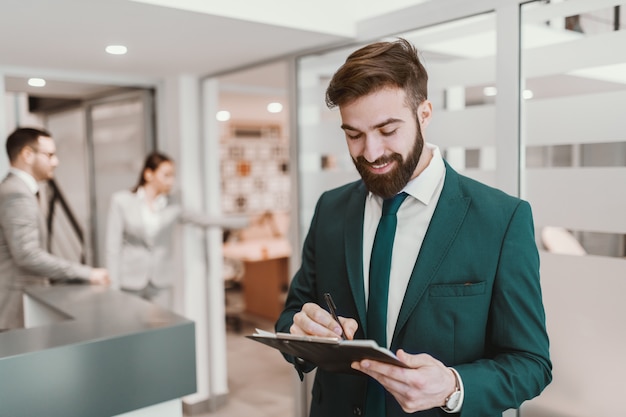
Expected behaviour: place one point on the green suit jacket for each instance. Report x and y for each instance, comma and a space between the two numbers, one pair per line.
473, 300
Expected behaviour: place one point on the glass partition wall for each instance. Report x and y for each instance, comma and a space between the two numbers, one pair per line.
574, 65
568, 143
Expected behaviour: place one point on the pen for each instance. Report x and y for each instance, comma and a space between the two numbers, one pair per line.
332, 307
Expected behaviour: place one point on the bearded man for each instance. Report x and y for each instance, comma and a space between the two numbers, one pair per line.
440, 269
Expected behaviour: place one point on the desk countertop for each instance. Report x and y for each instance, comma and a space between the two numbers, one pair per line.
108, 353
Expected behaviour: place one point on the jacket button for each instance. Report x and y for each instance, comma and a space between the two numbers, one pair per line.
357, 411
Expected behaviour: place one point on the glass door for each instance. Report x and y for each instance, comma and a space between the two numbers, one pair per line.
120, 134
574, 73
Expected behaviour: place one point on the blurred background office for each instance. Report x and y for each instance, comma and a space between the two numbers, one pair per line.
528, 97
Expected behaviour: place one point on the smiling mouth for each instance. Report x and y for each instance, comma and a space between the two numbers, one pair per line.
378, 167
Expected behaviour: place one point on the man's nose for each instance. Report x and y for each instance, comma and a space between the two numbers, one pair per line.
374, 148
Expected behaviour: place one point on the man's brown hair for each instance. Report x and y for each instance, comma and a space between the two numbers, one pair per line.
21, 138
376, 66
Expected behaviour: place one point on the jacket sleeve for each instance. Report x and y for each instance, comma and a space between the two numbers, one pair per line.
20, 221
202, 220
517, 364
301, 291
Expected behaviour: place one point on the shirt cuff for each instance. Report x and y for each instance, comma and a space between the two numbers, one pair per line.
461, 396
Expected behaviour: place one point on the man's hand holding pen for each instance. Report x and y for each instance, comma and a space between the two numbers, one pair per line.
314, 320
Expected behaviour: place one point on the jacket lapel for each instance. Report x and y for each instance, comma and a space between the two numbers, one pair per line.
444, 226
354, 213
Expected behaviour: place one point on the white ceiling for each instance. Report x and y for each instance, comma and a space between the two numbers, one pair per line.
63, 41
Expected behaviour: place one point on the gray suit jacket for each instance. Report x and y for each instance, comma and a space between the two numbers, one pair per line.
133, 257
24, 259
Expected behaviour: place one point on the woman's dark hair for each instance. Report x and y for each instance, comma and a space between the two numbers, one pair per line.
153, 160
376, 66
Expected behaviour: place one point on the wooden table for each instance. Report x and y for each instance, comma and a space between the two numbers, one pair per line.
266, 275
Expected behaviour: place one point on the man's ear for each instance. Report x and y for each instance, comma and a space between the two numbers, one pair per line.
27, 154
424, 113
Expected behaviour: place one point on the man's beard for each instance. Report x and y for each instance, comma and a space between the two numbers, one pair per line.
389, 184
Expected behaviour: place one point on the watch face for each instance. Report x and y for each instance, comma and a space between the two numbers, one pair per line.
453, 401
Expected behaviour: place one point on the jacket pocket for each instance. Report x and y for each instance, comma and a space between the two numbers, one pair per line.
457, 290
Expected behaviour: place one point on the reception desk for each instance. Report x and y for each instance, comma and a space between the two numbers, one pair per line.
92, 351
266, 274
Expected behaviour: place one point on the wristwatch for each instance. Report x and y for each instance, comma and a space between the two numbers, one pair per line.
453, 399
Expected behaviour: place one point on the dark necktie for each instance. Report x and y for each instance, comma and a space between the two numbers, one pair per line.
380, 265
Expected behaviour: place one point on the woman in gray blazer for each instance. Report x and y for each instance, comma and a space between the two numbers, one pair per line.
140, 234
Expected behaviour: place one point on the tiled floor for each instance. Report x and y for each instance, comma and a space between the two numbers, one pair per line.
261, 383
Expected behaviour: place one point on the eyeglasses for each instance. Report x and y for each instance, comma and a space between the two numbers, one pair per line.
50, 155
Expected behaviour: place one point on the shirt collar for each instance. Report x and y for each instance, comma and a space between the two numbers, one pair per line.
30, 181
159, 203
424, 186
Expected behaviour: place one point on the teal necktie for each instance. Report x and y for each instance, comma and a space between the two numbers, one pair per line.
380, 265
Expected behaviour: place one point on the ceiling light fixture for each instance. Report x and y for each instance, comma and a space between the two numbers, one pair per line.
116, 49
222, 115
36, 82
274, 107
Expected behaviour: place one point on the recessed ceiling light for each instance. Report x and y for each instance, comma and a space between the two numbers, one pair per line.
116, 49
222, 115
527, 94
36, 82
274, 107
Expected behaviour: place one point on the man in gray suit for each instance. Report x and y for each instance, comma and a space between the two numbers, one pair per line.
24, 259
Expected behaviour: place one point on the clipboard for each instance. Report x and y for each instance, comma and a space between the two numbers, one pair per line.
328, 353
